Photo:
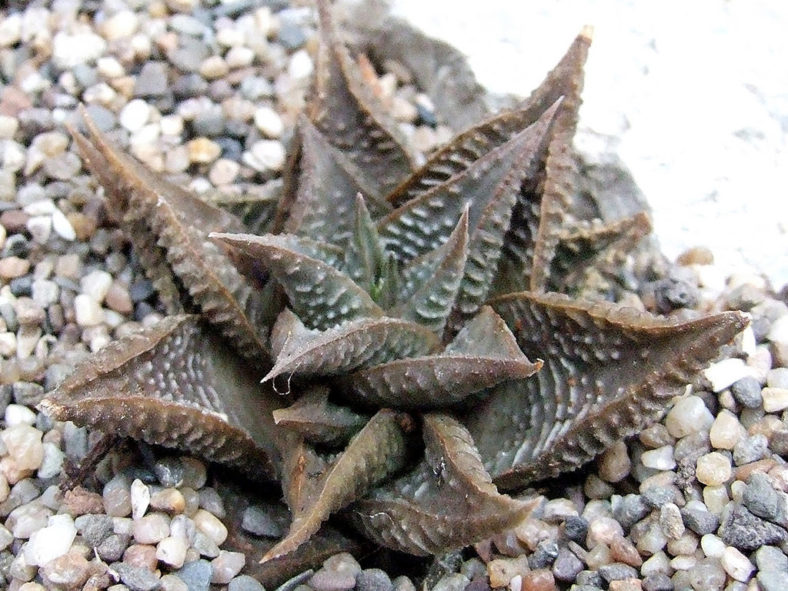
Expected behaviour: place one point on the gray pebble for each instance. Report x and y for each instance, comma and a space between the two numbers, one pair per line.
75, 441
750, 449
708, 574
111, 549
102, 117
589, 577
403, 583
566, 566
189, 54
761, 498
747, 392
94, 528
779, 442
771, 558
576, 528
656, 496
137, 578
745, 531
291, 35
210, 123
28, 393
169, 471
544, 555
257, 520
771, 580
152, 80
657, 582
190, 85
196, 575
451, 582
700, 521
212, 502
245, 583
616, 571
255, 87
373, 579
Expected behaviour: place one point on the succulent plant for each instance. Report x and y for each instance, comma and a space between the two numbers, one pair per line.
391, 345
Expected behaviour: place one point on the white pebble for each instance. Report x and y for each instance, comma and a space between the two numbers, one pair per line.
40, 207
210, 525
724, 373
6, 537
27, 519
774, 399
715, 498
18, 414
736, 564
10, 29
24, 446
140, 498
223, 172
40, 228
226, 566
152, 528
96, 284
266, 155
52, 462
172, 550
121, 24
62, 226
300, 66
726, 431
171, 125
269, 122
712, 546
87, 311
110, 67
778, 333
7, 344
689, 415
69, 51
52, 541
659, 459
713, 469
134, 115
239, 57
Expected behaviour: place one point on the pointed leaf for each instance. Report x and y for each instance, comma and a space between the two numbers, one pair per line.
364, 255
351, 346
432, 281
324, 210
174, 384
447, 502
608, 371
321, 295
595, 245
344, 109
319, 421
483, 354
374, 453
169, 229
425, 222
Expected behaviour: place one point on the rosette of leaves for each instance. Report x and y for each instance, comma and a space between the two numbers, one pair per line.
391, 345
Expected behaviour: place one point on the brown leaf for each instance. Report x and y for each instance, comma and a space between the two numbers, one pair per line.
608, 371
374, 453
175, 384
447, 502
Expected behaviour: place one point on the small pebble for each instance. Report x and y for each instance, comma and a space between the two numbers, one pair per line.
736, 564
713, 469
688, 415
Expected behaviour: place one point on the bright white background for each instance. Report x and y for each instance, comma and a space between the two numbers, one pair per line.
692, 95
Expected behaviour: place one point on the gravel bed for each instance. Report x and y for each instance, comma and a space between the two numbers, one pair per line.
208, 95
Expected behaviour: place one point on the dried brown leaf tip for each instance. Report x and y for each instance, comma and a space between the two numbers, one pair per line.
416, 361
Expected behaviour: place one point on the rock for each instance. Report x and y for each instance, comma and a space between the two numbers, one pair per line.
134, 115
196, 575
660, 458
137, 578
50, 542
71, 50
24, 446
736, 564
725, 373
726, 431
750, 449
774, 399
745, 531
670, 521
172, 551
701, 521
373, 579
761, 498
210, 526
566, 565
265, 155
203, 150
614, 464
151, 529
747, 391
94, 528
257, 520
152, 80
688, 415
713, 469
226, 566
247, 583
